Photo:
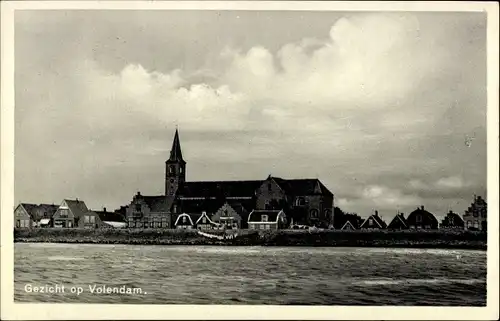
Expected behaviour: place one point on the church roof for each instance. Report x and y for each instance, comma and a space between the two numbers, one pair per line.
219, 188
175, 152
305, 186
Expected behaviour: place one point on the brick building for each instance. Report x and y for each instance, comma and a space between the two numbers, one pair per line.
303, 201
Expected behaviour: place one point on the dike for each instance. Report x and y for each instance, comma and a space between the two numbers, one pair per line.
360, 238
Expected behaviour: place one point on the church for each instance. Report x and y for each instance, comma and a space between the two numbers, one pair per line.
229, 203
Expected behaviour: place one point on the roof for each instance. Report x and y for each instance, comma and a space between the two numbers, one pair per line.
156, 203
378, 221
110, 216
454, 215
219, 188
256, 215
305, 186
30, 208
400, 217
175, 152
424, 213
346, 224
189, 217
77, 207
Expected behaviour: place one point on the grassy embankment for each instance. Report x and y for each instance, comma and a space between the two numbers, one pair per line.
408, 239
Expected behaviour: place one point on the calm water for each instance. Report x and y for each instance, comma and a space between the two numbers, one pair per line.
251, 275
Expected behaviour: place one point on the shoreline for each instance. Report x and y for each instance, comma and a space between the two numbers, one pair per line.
284, 238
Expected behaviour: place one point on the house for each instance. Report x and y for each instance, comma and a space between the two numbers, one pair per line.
422, 219
205, 223
148, 212
373, 222
348, 226
398, 222
307, 200
114, 219
23, 215
227, 217
74, 213
267, 220
452, 221
184, 221
475, 216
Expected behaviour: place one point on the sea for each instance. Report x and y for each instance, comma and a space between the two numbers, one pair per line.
150, 274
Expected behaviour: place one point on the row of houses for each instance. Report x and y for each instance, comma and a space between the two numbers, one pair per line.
75, 214
474, 218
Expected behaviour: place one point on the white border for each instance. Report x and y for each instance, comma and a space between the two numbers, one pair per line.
12, 311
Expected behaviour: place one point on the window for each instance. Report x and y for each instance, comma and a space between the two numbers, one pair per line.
138, 207
264, 218
452, 220
92, 219
18, 223
180, 170
418, 218
87, 219
63, 212
370, 222
184, 219
476, 224
175, 209
299, 201
204, 220
151, 224
70, 224
268, 227
171, 169
262, 226
314, 213
469, 224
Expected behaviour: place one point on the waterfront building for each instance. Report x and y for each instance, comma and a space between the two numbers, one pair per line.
452, 221
267, 220
348, 226
374, 222
422, 219
398, 222
114, 219
32, 215
475, 216
184, 221
307, 201
74, 213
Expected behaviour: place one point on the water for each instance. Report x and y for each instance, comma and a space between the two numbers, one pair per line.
250, 275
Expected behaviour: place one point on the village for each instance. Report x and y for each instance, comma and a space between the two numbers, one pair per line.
270, 204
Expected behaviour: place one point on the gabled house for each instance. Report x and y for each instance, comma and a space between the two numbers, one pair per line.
348, 226
267, 220
23, 215
422, 219
184, 221
374, 222
205, 223
452, 221
475, 216
148, 212
227, 217
398, 222
74, 213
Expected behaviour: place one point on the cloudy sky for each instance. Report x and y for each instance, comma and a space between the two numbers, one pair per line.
388, 110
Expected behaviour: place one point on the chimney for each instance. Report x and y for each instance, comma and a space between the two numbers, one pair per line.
376, 213
104, 209
402, 215
77, 200
422, 207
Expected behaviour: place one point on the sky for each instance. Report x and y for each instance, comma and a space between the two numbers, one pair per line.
388, 110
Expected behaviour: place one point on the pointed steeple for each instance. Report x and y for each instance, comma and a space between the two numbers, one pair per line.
175, 152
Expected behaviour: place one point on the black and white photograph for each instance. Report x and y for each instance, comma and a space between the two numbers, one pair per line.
250, 155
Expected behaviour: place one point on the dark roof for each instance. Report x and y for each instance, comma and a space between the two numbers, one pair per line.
175, 152
30, 208
156, 203
380, 222
399, 218
305, 186
457, 218
219, 188
77, 207
424, 213
256, 215
110, 216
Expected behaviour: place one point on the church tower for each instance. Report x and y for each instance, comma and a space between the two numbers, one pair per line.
175, 168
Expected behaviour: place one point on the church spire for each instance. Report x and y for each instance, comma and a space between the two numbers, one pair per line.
175, 152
